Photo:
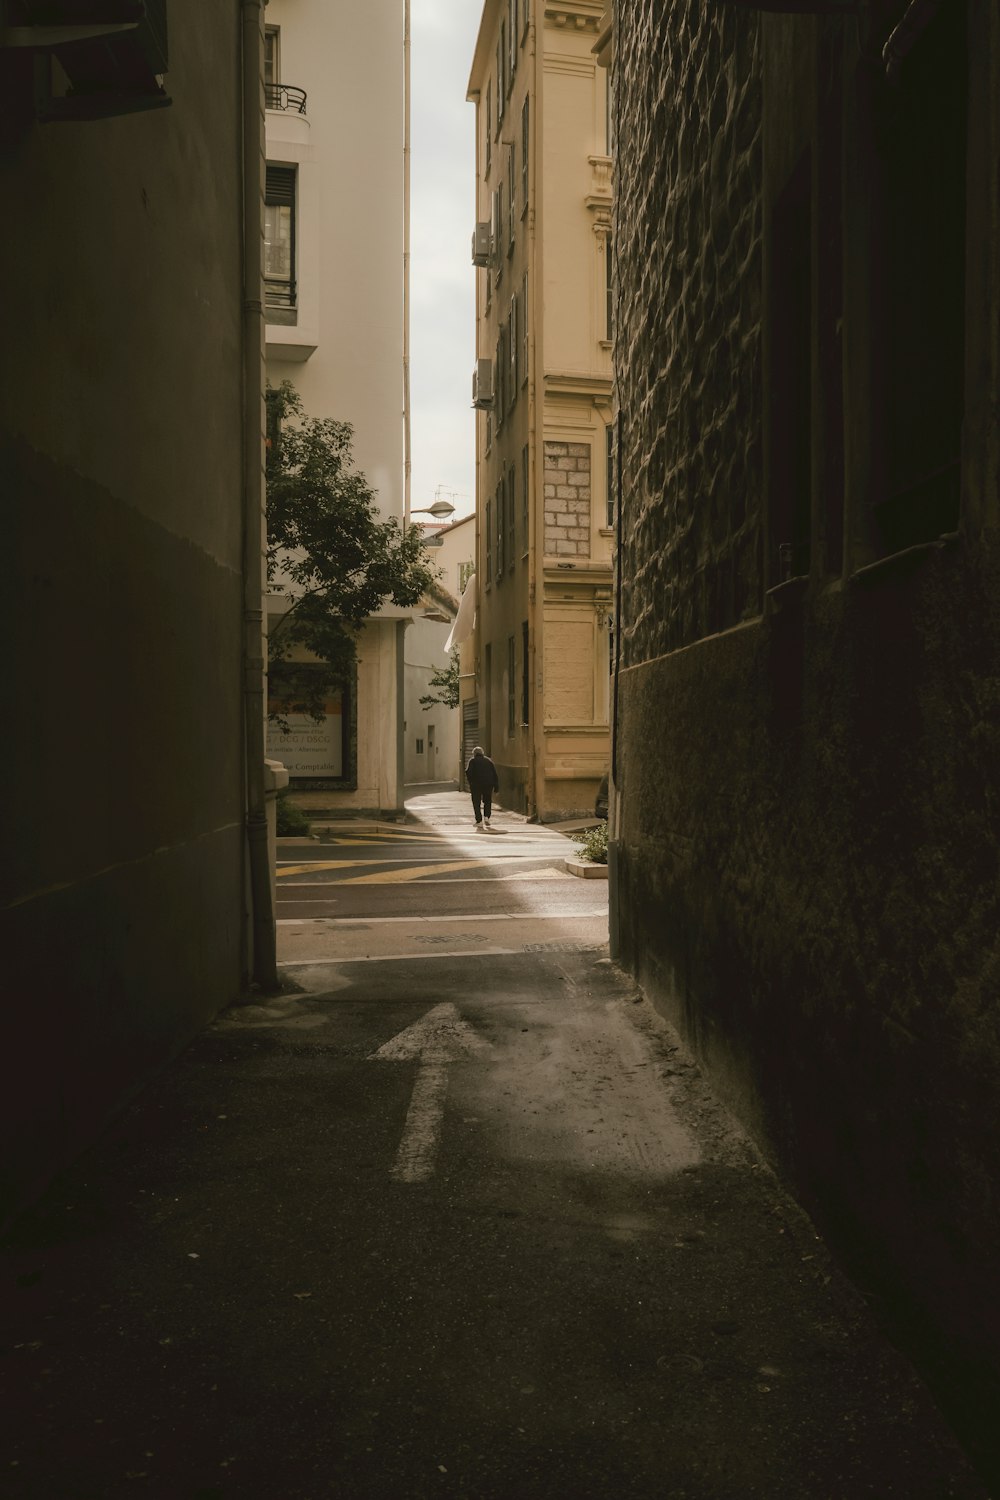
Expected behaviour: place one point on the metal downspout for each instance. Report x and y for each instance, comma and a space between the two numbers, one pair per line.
536, 395
407, 454
614, 900
265, 970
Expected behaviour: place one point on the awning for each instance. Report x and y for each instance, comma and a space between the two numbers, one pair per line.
465, 620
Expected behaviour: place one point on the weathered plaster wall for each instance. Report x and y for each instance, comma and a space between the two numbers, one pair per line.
810, 794
120, 366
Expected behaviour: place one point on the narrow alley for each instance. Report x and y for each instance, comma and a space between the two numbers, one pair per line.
462, 1220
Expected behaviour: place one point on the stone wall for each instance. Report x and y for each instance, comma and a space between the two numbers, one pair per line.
808, 868
567, 499
688, 315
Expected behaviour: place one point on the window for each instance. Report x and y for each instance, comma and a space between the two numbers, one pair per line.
420, 747
609, 305
499, 508
512, 29
500, 395
524, 157
498, 228
272, 411
525, 17
512, 352
272, 61
279, 237
524, 329
524, 495
501, 72
511, 199
609, 118
465, 572
511, 687
488, 541
487, 160
511, 502
489, 429
525, 674
609, 471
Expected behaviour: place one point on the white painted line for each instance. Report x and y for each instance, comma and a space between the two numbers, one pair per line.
437, 1039
442, 921
436, 957
418, 1147
471, 852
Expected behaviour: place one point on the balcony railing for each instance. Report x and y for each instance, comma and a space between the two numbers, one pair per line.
285, 96
279, 291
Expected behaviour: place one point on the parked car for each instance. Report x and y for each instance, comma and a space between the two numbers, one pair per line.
601, 805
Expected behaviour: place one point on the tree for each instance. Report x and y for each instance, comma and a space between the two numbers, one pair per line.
445, 678
329, 549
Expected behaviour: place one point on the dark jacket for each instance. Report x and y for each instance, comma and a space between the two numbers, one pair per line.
481, 774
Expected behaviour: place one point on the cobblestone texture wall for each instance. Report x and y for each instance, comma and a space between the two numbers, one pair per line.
688, 232
567, 499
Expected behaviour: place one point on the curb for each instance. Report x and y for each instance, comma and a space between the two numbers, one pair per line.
585, 869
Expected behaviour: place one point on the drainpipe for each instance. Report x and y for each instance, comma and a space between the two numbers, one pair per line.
265, 958
614, 903
536, 449
406, 264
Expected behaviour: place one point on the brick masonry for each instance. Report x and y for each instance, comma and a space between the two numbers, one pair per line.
689, 246
567, 499
810, 803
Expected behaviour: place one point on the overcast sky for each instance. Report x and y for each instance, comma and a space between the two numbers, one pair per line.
442, 285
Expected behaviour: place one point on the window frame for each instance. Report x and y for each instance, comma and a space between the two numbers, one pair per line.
609, 474
272, 34
273, 199
501, 72
488, 543
525, 125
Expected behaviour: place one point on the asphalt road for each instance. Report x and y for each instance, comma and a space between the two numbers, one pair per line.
449, 1219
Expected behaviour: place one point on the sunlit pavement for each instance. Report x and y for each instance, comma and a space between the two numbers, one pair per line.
461, 1221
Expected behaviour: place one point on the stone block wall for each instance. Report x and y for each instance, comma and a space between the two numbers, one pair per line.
688, 233
807, 864
567, 499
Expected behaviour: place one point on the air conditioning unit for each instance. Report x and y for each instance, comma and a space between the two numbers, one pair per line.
481, 245
482, 384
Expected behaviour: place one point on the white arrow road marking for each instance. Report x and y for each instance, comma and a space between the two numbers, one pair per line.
437, 1039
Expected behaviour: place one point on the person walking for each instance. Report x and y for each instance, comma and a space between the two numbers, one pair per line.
483, 780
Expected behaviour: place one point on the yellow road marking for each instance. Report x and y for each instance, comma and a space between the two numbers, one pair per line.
398, 877
320, 864
380, 835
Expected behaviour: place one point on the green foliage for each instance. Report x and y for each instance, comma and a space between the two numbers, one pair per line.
593, 843
290, 819
328, 546
445, 678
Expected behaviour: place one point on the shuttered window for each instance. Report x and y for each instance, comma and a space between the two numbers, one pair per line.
279, 236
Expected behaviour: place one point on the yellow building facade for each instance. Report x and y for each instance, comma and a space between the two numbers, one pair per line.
539, 699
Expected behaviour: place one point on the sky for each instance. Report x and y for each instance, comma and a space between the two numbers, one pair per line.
442, 279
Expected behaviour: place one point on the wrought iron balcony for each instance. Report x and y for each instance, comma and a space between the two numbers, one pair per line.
285, 96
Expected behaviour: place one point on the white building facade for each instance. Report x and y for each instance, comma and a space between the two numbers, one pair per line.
431, 738
334, 273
